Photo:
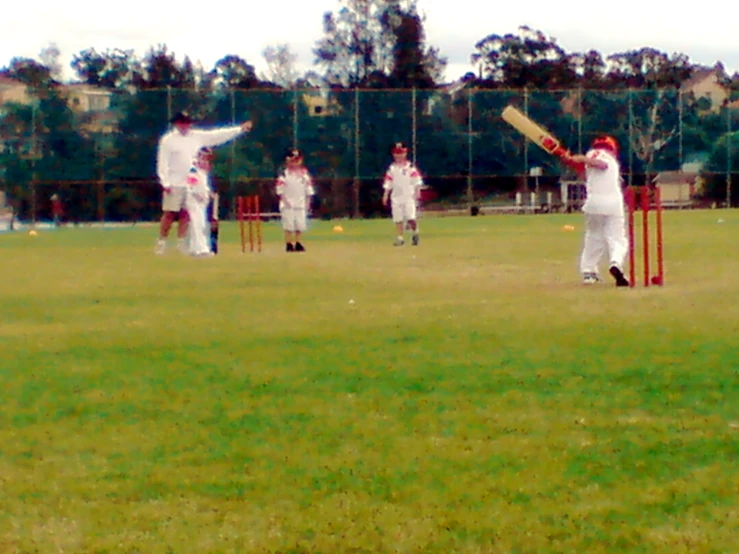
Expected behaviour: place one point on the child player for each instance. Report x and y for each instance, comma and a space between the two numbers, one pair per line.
196, 203
401, 186
294, 188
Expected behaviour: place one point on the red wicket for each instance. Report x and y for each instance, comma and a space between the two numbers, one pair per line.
645, 199
248, 209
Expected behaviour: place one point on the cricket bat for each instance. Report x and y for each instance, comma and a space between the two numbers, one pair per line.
534, 132
214, 225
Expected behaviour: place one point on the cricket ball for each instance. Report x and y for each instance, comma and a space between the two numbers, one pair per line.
657, 280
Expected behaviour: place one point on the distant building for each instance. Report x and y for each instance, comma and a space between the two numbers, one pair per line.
320, 105
82, 97
708, 83
92, 107
679, 188
13, 92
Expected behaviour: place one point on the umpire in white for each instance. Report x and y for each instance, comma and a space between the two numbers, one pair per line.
178, 150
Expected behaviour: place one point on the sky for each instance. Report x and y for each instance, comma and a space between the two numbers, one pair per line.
212, 30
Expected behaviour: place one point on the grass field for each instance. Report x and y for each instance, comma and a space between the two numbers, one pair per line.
474, 398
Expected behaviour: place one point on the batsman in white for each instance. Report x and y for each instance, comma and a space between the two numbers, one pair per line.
198, 197
605, 230
294, 188
401, 187
178, 148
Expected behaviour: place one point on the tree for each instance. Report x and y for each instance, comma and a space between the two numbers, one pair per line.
359, 39
109, 69
589, 67
410, 63
30, 72
50, 57
281, 65
527, 59
648, 68
46, 146
233, 72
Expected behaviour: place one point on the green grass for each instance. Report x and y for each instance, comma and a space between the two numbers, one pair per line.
475, 398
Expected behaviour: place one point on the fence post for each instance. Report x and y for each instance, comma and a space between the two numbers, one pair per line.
34, 156
728, 156
414, 124
579, 119
680, 116
357, 179
526, 142
232, 151
295, 118
631, 136
470, 191
169, 103
101, 184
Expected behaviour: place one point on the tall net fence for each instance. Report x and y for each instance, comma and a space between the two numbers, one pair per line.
99, 157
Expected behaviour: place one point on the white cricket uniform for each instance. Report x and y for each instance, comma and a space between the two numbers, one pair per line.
196, 202
295, 188
605, 231
403, 180
175, 157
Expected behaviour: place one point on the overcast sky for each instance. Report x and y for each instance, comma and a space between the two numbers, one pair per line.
211, 30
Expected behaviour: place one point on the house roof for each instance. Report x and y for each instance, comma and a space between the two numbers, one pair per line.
675, 178
7, 82
700, 75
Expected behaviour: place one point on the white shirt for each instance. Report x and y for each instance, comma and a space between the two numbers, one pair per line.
294, 187
603, 186
198, 187
177, 151
403, 181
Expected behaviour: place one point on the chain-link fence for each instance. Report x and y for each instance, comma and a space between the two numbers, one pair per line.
101, 160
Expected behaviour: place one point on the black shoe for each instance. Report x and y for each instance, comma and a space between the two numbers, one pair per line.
289, 247
621, 281
415, 239
299, 247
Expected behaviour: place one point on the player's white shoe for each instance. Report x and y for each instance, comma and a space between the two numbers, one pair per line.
160, 247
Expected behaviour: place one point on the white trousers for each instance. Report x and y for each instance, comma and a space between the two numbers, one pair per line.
198, 243
294, 219
403, 211
604, 235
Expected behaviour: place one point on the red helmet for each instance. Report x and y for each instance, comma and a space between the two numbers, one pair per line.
606, 143
399, 148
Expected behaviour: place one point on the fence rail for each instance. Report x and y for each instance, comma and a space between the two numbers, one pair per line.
102, 162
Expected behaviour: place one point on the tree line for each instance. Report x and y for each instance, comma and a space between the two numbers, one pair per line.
378, 47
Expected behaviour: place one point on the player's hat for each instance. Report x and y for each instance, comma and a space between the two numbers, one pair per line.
399, 148
607, 143
293, 154
181, 117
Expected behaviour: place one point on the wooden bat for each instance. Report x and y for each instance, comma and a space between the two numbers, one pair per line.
214, 225
534, 132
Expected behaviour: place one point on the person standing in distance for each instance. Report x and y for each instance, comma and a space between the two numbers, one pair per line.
178, 148
294, 187
605, 229
401, 187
